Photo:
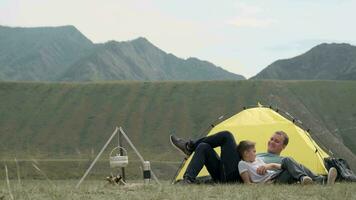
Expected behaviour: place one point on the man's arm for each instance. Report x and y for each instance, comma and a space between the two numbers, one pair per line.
273, 166
246, 177
263, 169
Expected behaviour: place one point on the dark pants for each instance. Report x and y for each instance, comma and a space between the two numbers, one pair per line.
293, 171
222, 169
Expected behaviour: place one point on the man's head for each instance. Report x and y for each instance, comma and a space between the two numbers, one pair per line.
247, 150
277, 142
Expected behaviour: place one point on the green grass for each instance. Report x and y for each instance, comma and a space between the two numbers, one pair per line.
98, 190
61, 169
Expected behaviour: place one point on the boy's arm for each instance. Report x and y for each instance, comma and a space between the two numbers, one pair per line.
246, 177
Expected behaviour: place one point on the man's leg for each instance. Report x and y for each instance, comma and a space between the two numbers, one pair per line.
215, 140
204, 155
187, 147
297, 171
284, 177
230, 158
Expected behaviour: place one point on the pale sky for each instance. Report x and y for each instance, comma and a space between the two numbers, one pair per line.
241, 36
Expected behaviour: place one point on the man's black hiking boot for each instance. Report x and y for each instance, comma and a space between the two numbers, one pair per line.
184, 182
180, 144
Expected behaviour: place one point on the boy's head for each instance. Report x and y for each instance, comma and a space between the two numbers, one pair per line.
247, 150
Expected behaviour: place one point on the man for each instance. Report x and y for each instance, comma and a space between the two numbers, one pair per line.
254, 170
225, 168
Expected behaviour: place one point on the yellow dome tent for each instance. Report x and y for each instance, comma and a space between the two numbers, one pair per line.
258, 124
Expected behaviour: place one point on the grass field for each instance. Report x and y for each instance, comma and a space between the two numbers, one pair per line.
74, 120
61, 127
62, 169
98, 190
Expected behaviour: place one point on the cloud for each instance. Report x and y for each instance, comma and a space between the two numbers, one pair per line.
246, 9
250, 16
250, 22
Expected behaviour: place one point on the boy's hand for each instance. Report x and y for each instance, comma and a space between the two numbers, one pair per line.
262, 170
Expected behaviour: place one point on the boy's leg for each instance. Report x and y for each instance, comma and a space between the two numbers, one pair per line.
204, 155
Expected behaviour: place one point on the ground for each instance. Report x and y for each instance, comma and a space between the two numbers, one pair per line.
47, 189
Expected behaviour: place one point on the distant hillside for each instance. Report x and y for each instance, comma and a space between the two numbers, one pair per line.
39, 53
71, 119
141, 60
65, 54
323, 62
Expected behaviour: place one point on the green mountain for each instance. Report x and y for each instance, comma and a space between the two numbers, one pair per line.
140, 60
34, 54
52, 119
65, 54
323, 62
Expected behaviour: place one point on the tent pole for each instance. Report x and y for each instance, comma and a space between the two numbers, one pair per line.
178, 170
119, 137
137, 153
97, 157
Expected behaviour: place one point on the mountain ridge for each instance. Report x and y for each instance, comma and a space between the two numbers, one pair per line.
64, 54
326, 61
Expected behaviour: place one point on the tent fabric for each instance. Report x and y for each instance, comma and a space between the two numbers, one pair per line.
258, 124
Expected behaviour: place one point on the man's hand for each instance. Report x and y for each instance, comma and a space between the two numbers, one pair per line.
262, 170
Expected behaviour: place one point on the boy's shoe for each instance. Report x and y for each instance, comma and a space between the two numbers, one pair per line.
332, 174
306, 180
180, 144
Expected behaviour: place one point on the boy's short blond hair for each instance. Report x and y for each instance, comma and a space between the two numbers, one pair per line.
245, 145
